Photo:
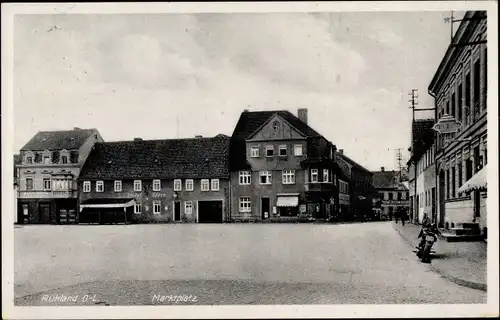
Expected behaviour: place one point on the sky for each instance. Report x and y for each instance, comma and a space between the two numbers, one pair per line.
159, 76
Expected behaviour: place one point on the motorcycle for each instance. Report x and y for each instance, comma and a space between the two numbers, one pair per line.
424, 249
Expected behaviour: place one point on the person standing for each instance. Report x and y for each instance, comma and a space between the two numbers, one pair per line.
403, 216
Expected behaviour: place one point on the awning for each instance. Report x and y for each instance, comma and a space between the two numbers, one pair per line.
287, 201
107, 203
478, 181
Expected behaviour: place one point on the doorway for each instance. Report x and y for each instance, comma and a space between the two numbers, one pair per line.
265, 207
177, 211
477, 205
45, 213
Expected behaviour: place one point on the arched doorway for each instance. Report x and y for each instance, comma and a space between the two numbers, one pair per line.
441, 198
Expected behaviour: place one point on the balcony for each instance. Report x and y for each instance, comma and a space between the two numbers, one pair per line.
319, 187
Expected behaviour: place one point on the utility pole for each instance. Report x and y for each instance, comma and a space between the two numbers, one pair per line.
451, 20
399, 158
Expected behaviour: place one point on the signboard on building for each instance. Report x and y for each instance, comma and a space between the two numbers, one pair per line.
395, 203
447, 124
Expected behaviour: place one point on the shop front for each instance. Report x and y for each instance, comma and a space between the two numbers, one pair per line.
106, 211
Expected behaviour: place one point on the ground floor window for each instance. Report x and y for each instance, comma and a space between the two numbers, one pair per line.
288, 211
138, 208
156, 207
245, 204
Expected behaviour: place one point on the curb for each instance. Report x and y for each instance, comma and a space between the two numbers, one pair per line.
443, 274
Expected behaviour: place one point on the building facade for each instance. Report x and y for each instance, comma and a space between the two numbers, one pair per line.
343, 183
50, 164
360, 186
423, 171
143, 181
280, 168
459, 88
392, 193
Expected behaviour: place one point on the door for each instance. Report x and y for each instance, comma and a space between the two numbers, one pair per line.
177, 211
477, 204
265, 208
45, 213
210, 211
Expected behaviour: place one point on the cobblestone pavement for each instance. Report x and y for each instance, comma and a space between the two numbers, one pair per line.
361, 263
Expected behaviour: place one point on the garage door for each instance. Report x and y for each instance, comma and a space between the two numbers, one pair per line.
210, 211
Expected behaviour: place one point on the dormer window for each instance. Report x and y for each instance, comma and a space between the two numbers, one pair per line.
64, 156
47, 157
29, 160
64, 159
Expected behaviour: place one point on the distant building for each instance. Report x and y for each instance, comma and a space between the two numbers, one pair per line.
459, 88
393, 195
171, 180
423, 195
360, 187
17, 160
50, 164
281, 168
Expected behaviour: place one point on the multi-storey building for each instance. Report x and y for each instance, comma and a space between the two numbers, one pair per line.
343, 181
280, 168
361, 188
17, 160
50, 164
422, 171
394, 195
176, 180
459, 88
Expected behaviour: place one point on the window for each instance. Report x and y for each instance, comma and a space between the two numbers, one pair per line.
460, 102
453, 103
485, 75
64, 159
326, 175
138, 208
156, 207
156, 185
269, 151
283, 151
137, 185
467, 98
459, 175
177, 185
477, 82
118, 186
447, 184
205, 185
99, 186
265, 177
29, 183
288, 176
447, 110
314, 175
86, 186
390, 195
29, 160
297, 150
403, 195
254, 151
245, 204
189, 185
188, 207
46, 184
245, 177
215, 184
46, 160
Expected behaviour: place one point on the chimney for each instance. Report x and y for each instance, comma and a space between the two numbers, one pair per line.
137, 139
76, 129
302, 114
382, 169
341, 151
198, 136
245, 110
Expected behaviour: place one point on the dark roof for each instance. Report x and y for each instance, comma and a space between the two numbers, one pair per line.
351, 162
249, 122
106, 200
386, 179
58, 140
422, 137
159, 159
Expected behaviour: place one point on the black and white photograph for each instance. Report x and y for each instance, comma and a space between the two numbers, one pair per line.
210, 159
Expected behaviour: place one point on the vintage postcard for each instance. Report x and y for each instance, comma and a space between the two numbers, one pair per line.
249, 160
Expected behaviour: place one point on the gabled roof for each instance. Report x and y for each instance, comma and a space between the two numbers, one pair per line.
249, 122
58, 140
192, 158
350, 161
387, 180
421, 130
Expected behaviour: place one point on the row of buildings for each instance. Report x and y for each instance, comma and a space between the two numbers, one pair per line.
274, 166
447, 168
